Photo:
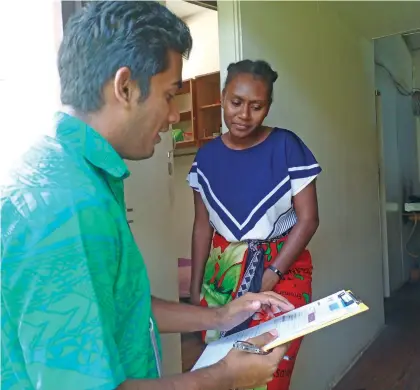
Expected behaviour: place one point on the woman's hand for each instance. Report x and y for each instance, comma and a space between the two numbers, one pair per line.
270, 279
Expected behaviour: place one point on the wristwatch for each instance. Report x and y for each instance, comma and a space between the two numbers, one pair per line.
276, 271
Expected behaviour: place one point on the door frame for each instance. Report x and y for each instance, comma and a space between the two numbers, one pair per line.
230, 46
382, 195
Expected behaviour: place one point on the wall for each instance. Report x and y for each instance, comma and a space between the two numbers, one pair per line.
416, 73
394, 54
416, 70
399, 147
204, 56
325, 93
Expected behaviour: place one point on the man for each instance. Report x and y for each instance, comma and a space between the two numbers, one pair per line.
76, 306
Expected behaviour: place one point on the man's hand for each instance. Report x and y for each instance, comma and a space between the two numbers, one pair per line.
239, 310
248, 370
237, 370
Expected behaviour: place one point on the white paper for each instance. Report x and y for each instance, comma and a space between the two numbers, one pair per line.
289, 325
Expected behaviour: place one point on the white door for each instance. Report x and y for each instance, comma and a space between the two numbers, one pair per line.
148, 194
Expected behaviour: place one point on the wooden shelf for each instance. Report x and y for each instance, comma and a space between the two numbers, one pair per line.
185, 116
185, 144
204, 140
199, 103
186, 87
207, 106
209, 117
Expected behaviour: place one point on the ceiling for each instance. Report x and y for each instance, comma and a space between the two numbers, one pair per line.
183, 9
412, 40
376, 19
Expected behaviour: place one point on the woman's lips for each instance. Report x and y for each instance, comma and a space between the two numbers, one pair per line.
240, 126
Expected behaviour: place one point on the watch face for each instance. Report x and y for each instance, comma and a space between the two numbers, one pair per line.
276, 271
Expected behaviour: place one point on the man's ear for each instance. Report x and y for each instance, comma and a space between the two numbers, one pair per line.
124, 86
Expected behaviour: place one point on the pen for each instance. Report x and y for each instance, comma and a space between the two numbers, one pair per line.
246, 346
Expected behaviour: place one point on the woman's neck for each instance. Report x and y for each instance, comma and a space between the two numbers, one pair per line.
256, 137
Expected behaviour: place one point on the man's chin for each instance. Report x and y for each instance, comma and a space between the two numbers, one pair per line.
143, 156
148, 155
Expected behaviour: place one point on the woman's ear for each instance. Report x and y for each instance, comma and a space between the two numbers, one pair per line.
223, 94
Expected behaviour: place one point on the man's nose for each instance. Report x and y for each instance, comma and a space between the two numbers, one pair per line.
174, 116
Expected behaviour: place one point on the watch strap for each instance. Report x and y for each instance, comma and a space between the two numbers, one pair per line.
276, 271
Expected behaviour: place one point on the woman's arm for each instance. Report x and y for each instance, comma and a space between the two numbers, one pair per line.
201, 241
306, 207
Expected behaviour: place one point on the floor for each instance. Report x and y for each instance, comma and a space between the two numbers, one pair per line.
393, 361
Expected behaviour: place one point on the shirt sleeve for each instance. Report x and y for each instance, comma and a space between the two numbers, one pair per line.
59, 318
192, 178
302, 166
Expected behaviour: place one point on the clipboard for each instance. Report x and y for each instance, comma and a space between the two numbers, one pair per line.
348, 300
291, 325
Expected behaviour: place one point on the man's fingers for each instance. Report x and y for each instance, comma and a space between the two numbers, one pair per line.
279, 300
278, 353
264, 339
272, 299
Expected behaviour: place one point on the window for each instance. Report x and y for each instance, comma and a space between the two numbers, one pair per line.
29, 86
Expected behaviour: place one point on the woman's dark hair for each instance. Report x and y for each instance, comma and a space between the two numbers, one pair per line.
107, 35
259, 69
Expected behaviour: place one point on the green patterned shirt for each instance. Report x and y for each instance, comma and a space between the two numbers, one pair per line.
75, 297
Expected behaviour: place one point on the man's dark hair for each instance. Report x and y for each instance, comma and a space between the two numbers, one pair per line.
259, 69
107, 35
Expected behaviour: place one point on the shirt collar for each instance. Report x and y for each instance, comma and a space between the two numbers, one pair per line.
95, 148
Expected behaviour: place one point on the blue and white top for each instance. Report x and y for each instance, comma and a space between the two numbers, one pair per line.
248, 193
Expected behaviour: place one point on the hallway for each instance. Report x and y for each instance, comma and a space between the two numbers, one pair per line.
393, 361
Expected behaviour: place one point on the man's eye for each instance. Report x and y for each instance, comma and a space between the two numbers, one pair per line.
256, 108
236, 103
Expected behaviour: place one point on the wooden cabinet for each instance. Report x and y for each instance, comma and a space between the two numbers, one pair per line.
200, 111
184, 132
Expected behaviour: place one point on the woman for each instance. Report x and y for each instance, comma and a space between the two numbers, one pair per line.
255, 207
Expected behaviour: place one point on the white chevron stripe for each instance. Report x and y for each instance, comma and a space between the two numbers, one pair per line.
217, 222
303, 168
264, 227
256, 208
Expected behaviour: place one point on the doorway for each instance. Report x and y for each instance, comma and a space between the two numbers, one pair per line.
398, 157
200, 122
